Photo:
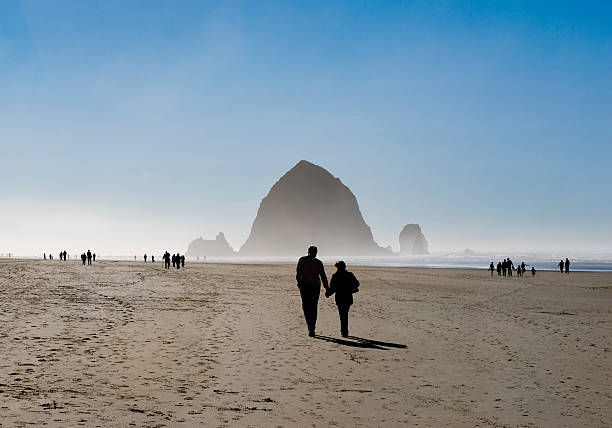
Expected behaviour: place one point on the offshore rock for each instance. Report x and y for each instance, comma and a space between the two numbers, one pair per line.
412, 241
219, 247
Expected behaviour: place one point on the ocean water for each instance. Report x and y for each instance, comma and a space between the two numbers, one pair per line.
594, 263
542, 262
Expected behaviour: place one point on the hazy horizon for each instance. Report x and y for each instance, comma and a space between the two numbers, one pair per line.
129, 128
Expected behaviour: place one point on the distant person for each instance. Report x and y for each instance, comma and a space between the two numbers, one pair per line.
504, 266
567, 263
510, 267
45, 256
145, 258
499, 268
561, 264
519, 272
533, 271
88, 257
134, 258
60, 256
94, 256
522, 268
65, 254
178, 260
152, 258
492, 268
183, 261
166, 258
83, 258
309, 275
173, 260
343, 283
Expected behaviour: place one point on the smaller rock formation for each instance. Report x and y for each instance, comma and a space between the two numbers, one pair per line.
219, 247
412, 241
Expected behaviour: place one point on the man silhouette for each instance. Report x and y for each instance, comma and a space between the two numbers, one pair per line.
88, 257
309, 275
145, 257
567, 265
561, 266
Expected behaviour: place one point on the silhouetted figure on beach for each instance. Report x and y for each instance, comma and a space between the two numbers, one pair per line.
343, 283
492, 268
83, 258
166, 258
183, 260
561, 264
499, 268
173, 260
533, 271
522, 267
567, 263
309, 275
178, 260
145, 258
45, 256
94, 256
519, 272
504, 266
152, 258
88, 257
510, 267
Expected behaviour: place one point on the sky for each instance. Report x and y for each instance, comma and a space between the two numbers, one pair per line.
138, 126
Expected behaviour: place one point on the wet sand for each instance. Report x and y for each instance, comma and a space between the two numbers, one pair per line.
132, 344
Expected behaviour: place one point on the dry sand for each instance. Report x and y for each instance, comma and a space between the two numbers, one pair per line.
129, 344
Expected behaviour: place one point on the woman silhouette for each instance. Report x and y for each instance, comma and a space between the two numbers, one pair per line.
344, 284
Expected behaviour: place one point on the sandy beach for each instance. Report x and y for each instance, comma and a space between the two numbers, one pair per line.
132, 344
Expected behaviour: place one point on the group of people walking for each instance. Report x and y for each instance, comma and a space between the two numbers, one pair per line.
63, 255
310, 273
88, 256
506, 267
177, 259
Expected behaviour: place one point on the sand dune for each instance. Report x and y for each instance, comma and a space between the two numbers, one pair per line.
129, 344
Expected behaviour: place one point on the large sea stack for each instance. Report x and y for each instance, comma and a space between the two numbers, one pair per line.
308, 206
412, 241
219, 247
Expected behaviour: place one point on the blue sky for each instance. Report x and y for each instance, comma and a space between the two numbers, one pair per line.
147, 124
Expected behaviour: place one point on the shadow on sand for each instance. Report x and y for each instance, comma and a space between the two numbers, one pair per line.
359, 342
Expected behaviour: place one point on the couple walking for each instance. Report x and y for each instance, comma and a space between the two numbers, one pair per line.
310, 274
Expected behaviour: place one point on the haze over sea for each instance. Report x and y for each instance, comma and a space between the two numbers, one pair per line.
541, 261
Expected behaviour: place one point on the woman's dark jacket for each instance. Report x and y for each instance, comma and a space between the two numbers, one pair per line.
344, 284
